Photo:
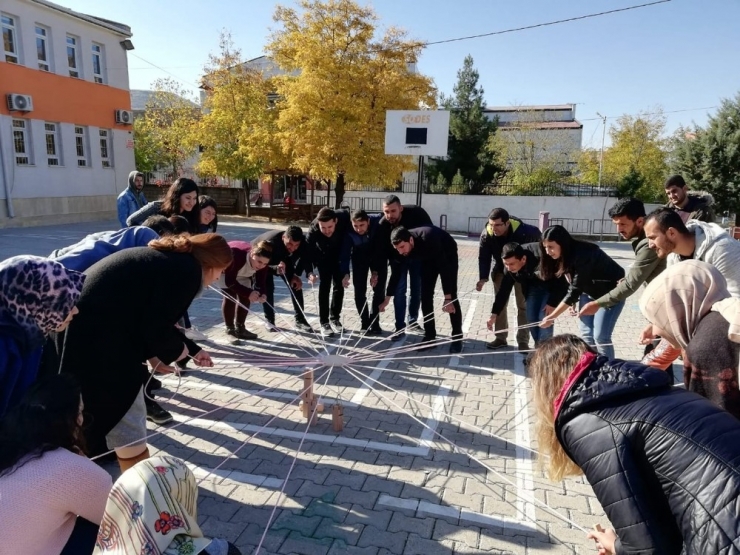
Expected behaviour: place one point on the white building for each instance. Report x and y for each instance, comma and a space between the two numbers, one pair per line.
66, 145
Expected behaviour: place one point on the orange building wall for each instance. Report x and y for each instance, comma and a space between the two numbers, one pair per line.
57, 98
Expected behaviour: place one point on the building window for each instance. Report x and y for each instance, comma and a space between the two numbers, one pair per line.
97, 62
81, 146
10, 39
72, 57
105, 152
53, 152
21, 144
42, 48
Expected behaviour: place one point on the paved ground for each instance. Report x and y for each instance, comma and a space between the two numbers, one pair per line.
391, 481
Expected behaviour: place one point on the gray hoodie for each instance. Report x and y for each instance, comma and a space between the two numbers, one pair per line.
715, 246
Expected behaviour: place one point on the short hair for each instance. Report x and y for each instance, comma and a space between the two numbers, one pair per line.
675, 181
666, 218
400, 235
294, 233
160, 224
499, 214
181, 224
360, 215
263, 249
512, 250
391, 199
632, 208
326, 214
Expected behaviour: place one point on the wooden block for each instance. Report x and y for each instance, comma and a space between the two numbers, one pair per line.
337, 417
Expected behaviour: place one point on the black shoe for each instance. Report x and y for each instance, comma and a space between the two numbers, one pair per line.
426, 344
337, 325
302, 325
326, 330
154, 384
397, 335
375, 330
155, 413
365, 325
244, 333
414, 326
456, 347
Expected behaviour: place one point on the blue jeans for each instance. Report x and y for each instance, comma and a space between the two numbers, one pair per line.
536, 301
597, 330
412, 269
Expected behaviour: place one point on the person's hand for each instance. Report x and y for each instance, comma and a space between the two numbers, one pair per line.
491, 322
549, 309
312, 278
281, 268
448, 305
374, 279
647, 336
589, 309
254, 296
296, 283
604, 539
202, 358
547, 321
345, 281
384, 304
480, 284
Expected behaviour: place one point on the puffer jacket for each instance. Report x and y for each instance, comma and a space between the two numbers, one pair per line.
664, 463
699, 207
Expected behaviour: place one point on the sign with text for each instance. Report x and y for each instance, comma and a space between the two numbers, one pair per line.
417, 132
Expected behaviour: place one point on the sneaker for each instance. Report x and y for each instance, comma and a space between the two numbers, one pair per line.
271, 327
327, 331
397, 335
375, 330
155, 413
425, 344
456, 347
244, 333
414, 326
497, 343
337, 325
195, 334
302, 325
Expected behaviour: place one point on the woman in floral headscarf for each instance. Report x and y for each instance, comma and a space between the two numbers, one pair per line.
151, 510
37, 297
690, 307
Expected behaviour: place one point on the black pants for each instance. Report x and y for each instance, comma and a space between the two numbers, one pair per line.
429, 277
360, 273
296, 298
330, 281
82, 540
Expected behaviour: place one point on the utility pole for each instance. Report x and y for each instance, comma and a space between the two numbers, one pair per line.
601, 169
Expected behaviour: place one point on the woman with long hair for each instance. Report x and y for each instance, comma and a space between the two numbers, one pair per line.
689, 306
590, 273
129, 306
181, 199
37, 297
663, 462
244, 281
208, 214
53, 496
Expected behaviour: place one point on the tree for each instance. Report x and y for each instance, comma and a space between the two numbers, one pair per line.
709, 158
339, 81
166, 129
470, 132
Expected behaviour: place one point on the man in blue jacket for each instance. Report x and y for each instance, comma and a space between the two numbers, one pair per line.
132, 198
362, 237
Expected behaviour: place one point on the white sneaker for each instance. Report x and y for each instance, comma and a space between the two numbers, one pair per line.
195, 334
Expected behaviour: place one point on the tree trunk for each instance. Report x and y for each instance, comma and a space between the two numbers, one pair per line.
339, 189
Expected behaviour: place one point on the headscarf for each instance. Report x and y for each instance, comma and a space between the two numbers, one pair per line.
151, 510
678, 299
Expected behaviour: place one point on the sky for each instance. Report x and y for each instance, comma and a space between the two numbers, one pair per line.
682, 55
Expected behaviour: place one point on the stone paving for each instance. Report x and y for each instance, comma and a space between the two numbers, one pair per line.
391, 481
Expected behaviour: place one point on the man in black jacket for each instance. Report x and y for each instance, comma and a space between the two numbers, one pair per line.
521, 263
362, 237
410, 217
500, 230
689, 205
437, 252
330, 249
289, 254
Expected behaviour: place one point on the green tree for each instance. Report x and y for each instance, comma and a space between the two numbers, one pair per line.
458, 184
470, 132
631, 184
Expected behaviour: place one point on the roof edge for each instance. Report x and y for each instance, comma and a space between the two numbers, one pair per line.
118, 28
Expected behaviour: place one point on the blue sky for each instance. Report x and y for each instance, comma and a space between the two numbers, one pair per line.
680, 55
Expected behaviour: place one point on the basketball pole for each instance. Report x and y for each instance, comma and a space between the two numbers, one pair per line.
419, 180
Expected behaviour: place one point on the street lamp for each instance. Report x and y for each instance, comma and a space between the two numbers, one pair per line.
601, 169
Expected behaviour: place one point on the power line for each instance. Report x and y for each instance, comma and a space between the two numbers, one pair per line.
162, 69
657, 113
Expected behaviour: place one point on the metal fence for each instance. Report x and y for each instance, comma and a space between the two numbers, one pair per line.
369, 204
575, 226
500, 189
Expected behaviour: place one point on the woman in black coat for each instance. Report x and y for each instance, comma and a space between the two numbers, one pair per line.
663, 462
132, 300
590, 273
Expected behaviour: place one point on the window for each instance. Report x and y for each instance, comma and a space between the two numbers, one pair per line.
81, 146
105, 152
53, 152
42, 48
10, 39
97, 62
21, 144
72, 57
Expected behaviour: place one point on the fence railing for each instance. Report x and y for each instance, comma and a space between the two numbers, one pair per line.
502, 189
164, 178
575, 226
369, 204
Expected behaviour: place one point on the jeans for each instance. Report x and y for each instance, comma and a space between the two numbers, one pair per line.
536, 301
597, 330
412, 268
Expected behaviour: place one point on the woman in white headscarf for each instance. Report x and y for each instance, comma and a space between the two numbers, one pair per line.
690, 307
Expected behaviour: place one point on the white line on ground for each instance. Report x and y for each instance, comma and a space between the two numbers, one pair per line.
361, 393
438, 414
236, 476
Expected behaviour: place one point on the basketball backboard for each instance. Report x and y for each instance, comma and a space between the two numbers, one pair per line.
417, 132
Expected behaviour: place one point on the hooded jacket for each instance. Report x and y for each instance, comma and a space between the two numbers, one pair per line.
715, 246
130, 200
698, 207
663, 462
490, 246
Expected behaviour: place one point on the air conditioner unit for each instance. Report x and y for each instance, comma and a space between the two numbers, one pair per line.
19, 102
125, 117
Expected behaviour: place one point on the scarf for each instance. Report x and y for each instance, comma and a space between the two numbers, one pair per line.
678, 299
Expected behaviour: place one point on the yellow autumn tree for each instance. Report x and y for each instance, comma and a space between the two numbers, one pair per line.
340, 77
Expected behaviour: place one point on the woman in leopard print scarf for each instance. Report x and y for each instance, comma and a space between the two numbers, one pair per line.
37, 297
